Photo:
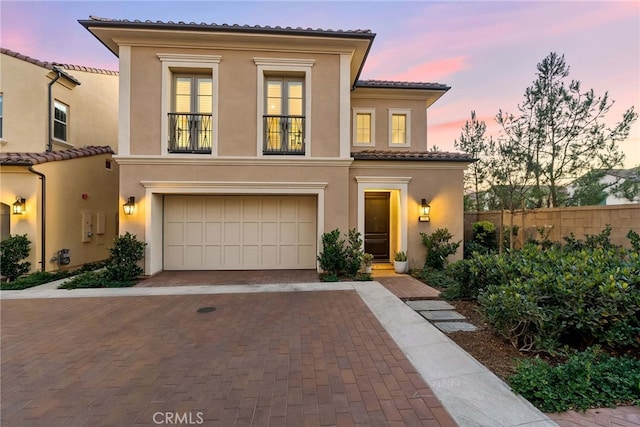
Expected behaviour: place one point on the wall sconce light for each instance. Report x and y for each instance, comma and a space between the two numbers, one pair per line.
20, 206
425, 210
129, 207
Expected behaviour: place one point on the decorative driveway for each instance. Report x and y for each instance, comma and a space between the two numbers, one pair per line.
279, 359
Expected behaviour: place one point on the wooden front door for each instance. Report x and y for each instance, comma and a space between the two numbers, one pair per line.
376, 225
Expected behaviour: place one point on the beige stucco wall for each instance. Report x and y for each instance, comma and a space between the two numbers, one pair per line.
579, 220
64, 207
440, 183
18, 181
381, 105
237, 92
336, 193
24, 97
93, 107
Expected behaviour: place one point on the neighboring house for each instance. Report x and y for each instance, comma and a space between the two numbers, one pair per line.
240, 146
58, 131
618, 177
613, 187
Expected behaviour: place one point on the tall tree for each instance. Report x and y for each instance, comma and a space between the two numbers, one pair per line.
511, 177
561, 128
474, 142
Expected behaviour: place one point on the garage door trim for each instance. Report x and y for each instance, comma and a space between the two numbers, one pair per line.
153, 206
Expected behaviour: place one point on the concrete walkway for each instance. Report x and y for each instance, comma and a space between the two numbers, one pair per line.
471, 394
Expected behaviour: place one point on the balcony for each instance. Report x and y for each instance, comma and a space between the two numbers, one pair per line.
190, 133
283, 135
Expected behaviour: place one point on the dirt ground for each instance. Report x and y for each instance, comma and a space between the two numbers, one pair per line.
493, 351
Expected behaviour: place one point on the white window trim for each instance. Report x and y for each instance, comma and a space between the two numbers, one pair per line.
177, 61
372, 112
283, 65
407, 113
66, 123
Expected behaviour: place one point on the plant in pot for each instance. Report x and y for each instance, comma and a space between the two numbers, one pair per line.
400, 262
367, 260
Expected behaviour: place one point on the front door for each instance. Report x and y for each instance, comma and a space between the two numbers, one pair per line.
376, 225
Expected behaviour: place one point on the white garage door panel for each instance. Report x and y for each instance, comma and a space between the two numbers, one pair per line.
239, 232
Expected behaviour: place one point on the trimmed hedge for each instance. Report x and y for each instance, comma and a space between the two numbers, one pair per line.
548, 299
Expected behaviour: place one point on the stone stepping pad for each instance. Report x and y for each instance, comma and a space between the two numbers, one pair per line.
441, 315
426, 305
455, 326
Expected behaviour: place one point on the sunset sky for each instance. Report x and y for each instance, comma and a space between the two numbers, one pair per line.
486, 51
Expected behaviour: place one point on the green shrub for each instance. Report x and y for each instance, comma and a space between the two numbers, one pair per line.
353, 253
34, 279
471, 248
438, 247
329, 277
121, 270
587, 380
635, 240
436, 278
331, 259
125, 253
338, 259
13, 249
95, 279
592, 241
552, 298
484, 240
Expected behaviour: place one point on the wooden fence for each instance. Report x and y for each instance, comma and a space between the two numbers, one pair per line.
579, 220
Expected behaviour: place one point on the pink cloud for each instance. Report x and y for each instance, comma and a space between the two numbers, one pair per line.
458, 124
20, 41
432, 70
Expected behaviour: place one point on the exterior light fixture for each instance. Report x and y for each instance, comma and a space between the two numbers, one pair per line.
129, 207
20, 206
425, 210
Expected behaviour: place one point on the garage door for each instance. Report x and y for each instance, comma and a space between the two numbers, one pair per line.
239, 232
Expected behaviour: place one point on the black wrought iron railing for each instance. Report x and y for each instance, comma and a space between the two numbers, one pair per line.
190, 133
283, 135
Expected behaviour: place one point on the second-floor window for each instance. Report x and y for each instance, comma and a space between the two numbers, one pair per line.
60, 121
190, 122
284, 120
364, 126
399, 128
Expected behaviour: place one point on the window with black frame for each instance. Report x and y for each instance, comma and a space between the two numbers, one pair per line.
284, 120
190, 122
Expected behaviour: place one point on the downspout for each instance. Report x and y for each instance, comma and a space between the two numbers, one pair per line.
50, 92
43, 211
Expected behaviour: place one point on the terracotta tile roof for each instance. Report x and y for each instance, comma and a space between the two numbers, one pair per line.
443, 156
50, 65
93, 20
23, 159
388, 84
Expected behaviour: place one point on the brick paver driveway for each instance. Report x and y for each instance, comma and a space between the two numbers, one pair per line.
303, 358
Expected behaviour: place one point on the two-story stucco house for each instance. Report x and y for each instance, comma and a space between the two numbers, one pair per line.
59, 183
241, 145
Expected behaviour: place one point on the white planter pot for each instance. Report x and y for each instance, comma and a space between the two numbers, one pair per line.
367, 269
400, 266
